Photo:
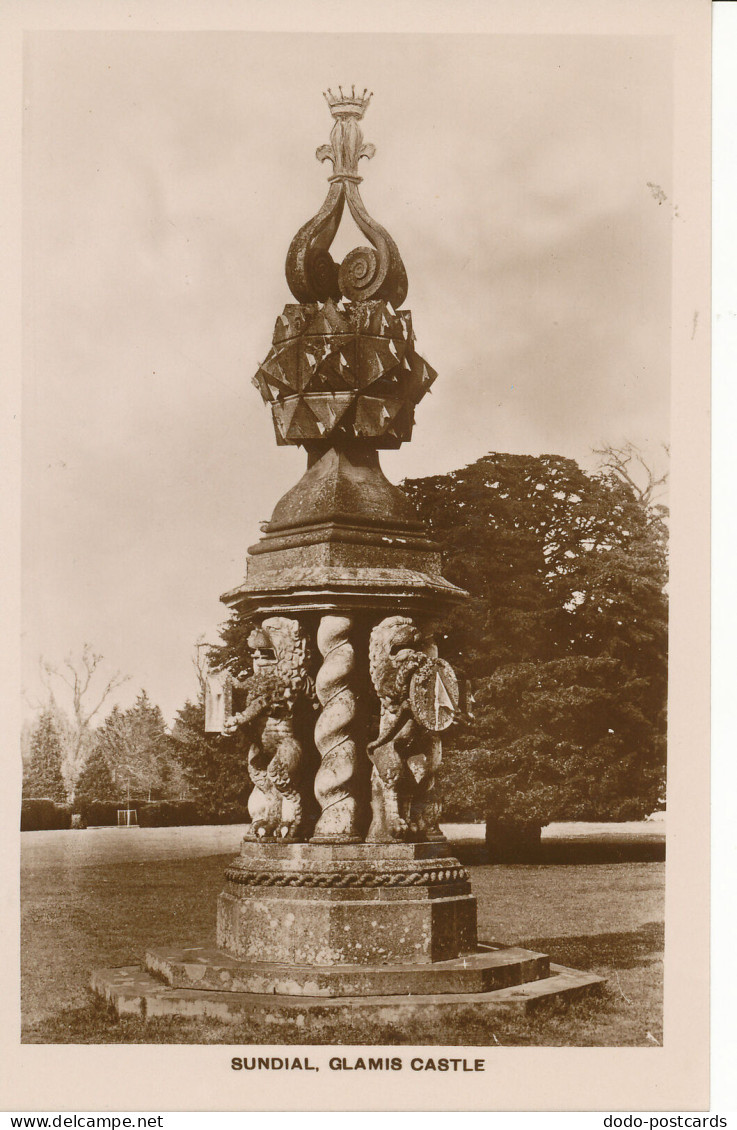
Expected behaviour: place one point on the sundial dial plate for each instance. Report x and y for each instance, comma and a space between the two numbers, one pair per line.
434, 696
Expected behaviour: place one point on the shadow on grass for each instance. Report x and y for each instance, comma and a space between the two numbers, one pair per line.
601, 951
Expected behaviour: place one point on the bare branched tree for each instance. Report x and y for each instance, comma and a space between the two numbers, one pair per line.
630, 464
201, 662
88, 696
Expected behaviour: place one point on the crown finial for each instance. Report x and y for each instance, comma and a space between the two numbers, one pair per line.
348, 105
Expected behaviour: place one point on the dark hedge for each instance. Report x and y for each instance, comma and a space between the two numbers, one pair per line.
44, 815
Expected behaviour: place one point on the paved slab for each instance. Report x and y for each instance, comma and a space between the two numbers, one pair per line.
134, 991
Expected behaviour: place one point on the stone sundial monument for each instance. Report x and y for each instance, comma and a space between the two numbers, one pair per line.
345, 901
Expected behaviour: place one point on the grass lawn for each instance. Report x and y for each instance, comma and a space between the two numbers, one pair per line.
76, 916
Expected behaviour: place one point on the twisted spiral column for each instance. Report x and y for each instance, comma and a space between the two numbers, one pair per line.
338, 780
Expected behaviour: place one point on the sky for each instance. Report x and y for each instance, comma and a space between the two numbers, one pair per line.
526, 181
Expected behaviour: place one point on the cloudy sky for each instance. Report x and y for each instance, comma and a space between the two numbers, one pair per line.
526, 181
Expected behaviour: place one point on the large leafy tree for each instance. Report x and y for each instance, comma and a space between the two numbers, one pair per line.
564, 640
43, 775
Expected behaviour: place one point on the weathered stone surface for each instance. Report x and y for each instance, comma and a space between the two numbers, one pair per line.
336, 552
276, 757
343, 372
404, 754
347, 865
362, 931
484, 971
134, 991
366, 272
343, 486
346, 871
320, 855
344, 538
345, 589
340, 780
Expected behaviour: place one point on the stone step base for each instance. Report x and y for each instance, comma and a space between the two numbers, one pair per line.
488, 969
134, 991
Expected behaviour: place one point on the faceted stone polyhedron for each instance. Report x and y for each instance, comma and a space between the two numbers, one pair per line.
343, 370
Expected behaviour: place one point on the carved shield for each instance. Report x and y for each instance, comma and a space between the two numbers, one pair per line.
434, 696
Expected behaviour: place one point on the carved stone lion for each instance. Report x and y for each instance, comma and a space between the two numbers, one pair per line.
275, 757
402, 801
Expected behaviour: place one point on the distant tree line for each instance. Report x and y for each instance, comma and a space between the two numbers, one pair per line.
131, 755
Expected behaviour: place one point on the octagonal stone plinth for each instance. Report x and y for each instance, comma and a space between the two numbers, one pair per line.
205, 968
346, 904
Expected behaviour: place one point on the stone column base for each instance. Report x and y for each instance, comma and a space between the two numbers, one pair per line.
346, 904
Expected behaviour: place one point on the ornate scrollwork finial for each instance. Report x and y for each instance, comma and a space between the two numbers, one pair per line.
366, 272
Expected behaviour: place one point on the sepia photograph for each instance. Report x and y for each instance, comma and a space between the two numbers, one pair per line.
350, 470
